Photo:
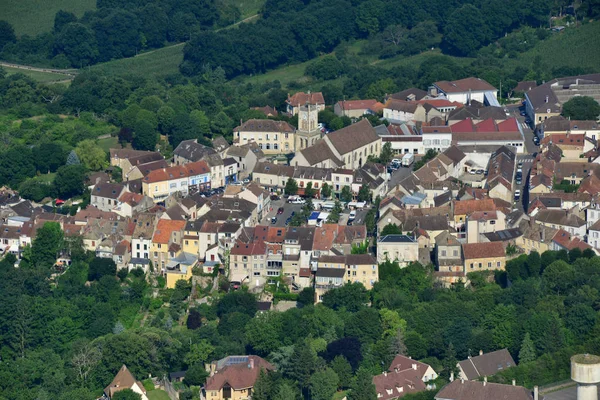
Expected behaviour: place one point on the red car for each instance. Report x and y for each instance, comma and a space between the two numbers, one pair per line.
280, 211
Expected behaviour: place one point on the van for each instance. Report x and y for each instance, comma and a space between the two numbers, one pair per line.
352, 214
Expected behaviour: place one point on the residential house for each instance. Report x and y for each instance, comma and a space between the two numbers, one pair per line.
461, 389
141, 243
122, 254
412, 94
327, 279
166, 241
573, 145
477, 112
230, 170
179, 267
246, 157
119, 157
129, 204
562, 219
574, 172
361, 268
536, 237
272, 137
105, 196
593, 237
185, 179
299, 99
462, 209
268, 111
400, 248
400, 110
487, 256
488, 132
564, 240
501, 171
466, 90
545, 101
220, 144
125, 380
482, 222
234, 377
139, 171
274, 177
189, 151
357, 108
247, 262
256, 195
348, 147
485, 364
404, 138
448, 259
560, 125
404, 376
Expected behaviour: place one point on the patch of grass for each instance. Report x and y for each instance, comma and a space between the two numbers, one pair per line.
417, 59
247, 7
108, 143
574, 47
46, 178
158, 395
158, 62
36, 16
42, 77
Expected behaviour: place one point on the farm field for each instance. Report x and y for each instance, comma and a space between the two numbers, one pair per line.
30, 17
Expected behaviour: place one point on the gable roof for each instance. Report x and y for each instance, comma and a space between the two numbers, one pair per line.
301, 98
487, 364
464, 85
470, 390
265, 125
559, 217
353, 137
349, 105
220, 143
474, 251
177, 172
402, 105
238, 372
123, 380
108, 190
465, 207
165, 228
320, 152
409, 94
192, 150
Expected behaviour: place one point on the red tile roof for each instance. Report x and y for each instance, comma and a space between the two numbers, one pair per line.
238, 376
465, 207
301, 98
564, 239
473, 251
562, 139
177, 171
164, 229
464, 85
257, 247
370, 104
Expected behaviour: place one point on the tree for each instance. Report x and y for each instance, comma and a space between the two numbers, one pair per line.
323, 384
291, 187
527, 352
69, 181
346, 194
165, 116
196, 375
343, 369
325, 191
581, 108
72, 158
365, 326
34, 189
352, 297
361, 248
263, 387
334, 215
7, 34
91, 155
46, 245
364, 194
49, 156
303, 364
144, 137
362, 388
465, 31
62, 18
78, 43
386, 153
262, 332
85, 359
391, 229
307, 296
194, 320
309, 192
285, 392
126, 394
16, 165
199, 352
100, 267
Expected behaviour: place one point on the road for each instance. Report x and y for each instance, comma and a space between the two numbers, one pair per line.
399, 175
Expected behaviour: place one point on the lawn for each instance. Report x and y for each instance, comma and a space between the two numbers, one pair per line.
49, 178
108, 143
42, 77
417, 59
247, 7
36, 16
158, 395
159, 62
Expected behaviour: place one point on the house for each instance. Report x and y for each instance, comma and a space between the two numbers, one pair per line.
400, 110
404, 376
220, 144
233, 377
125, 380
293, 103
246, 157
448, 259
560, 125
189, 151
545, 101
357, 108
247, 262
141, 242
466, 90
563, 240
105, 196
477, 112
462, 209
361, 268
412, 94
485, 364
139, 171
230, 170
129, 204
489, 132
257, 195
327, 279
122, 254
484, 256
179, 267
268, 111
525, 86
593, 237
348, 147
186, 179
272, 137
119, 157
562, 219
536, 237
437, 138
403, 139
461, 389
482, 222
166, 241
501, 170
273, 177
401, 248
573, 145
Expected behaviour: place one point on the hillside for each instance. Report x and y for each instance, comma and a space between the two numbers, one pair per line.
36, 16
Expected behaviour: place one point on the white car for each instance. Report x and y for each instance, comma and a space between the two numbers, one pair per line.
517, 194
352, 215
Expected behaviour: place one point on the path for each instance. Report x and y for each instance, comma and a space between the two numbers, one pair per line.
67, 72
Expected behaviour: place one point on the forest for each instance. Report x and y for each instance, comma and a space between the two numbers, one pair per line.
64, 336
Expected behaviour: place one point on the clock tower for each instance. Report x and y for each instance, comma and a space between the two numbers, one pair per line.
308, 130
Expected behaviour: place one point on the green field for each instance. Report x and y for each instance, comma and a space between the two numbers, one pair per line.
574, 47
108, 143
36, 16
247, 7
158, 395
159, 62
43, 77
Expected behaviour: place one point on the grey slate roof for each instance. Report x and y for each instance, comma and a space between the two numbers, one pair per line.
193, 151
487, 364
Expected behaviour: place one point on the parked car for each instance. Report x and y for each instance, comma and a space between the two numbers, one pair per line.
274, 220
352, 214
479, 172
274, 197
280, 211
520, 165
517, 194
246, 181
519, 180
536, 140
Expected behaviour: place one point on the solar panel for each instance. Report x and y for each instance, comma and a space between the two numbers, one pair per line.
236, 360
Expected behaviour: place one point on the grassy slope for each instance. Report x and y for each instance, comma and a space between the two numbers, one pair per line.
247, 7
35, 16
44, 77
153, 63
158, 395
572, 48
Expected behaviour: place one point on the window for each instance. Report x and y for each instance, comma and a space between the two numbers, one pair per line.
498, 264
137, 246
480, 265
443, 253
156, 188
275, 146
492, 222
489, 265
455, 253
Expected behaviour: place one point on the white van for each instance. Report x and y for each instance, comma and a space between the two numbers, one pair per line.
352, 214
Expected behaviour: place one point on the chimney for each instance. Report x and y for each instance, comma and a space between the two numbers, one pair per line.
536, 393
251, 364
462, 380
414, 366
480, 352
384, 373
514, 382
484, 380
546, 99
452, 376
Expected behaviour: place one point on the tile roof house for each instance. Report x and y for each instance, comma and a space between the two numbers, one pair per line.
501, 170
273, 137
186, 179
485, 364
412, 94
404, 376
299, 99
267, 110
484, 256
125, 380
233, 377
563, 240
471, 390
105, 196
488, 132
466, 90
562, 219
357, 108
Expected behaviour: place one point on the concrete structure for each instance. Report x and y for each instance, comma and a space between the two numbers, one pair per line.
585, 370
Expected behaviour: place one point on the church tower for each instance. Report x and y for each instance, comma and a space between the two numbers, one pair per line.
308, 126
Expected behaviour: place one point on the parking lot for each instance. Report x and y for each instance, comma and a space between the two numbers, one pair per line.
289, 208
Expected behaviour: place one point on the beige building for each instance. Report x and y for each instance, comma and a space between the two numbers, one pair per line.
299, 99
361, 268
166, 241
234, 377
481, 222
401, 248
484, 256
357, 108
272, 137
125, 380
